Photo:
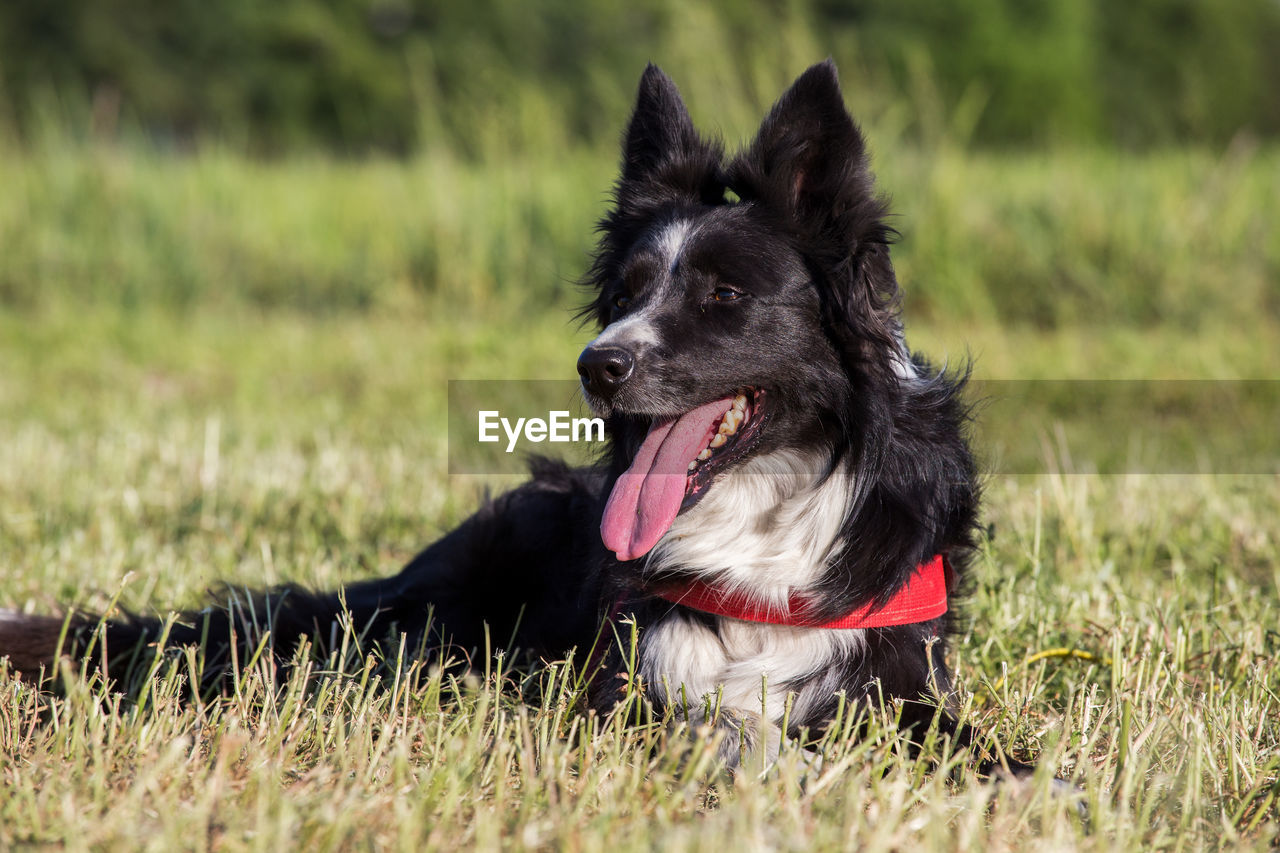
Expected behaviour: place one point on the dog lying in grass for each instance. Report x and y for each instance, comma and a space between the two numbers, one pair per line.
788, 507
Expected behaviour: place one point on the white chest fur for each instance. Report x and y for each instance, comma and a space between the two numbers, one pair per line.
749, 666
771, 526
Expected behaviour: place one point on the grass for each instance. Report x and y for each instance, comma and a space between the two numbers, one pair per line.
1180, 239
267, 426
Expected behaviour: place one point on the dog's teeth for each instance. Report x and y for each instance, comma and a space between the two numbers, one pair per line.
718, 440
740, 403
705, 454
732, 419
693, 464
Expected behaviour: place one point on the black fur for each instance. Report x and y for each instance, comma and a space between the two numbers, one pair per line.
787, 290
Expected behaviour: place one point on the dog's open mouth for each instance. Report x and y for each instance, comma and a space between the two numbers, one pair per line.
734, 434
676, 463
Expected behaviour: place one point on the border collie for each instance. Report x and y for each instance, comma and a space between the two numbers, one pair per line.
788, 504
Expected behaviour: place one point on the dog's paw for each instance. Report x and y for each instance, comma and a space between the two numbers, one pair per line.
1016, 777
745, 743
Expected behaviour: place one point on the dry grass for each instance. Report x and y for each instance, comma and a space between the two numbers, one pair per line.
145, 454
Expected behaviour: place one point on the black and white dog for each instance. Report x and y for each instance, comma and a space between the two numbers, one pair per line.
789, 503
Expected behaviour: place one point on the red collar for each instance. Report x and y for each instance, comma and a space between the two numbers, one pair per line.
923, 597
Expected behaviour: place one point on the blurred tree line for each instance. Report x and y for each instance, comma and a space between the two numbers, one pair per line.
397, 76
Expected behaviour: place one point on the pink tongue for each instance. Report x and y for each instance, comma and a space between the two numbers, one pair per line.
647, 497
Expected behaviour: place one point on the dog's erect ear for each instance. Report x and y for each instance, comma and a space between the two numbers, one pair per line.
808, 162
660, 126
663, 157
808, 156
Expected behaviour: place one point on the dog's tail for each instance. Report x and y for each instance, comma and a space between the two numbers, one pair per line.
519, 574
30, 642
237, 631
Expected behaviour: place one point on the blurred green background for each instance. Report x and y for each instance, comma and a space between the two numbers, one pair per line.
482, 76
1053, 164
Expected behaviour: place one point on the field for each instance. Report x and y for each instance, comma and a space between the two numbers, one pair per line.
217, 369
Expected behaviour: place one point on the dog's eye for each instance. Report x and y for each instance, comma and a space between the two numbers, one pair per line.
725, 294
621, 301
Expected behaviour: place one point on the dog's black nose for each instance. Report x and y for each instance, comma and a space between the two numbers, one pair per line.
604, 369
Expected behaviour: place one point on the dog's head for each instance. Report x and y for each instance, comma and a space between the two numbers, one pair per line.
735, 326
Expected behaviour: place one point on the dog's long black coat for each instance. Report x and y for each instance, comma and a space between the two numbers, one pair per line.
854, 468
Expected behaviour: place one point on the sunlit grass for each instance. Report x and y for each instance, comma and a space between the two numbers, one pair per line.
269, 448
215, 370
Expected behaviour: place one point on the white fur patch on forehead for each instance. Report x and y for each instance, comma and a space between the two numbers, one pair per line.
670, 242
639, 328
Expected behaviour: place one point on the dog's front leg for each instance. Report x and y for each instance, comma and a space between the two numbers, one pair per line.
745, 741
